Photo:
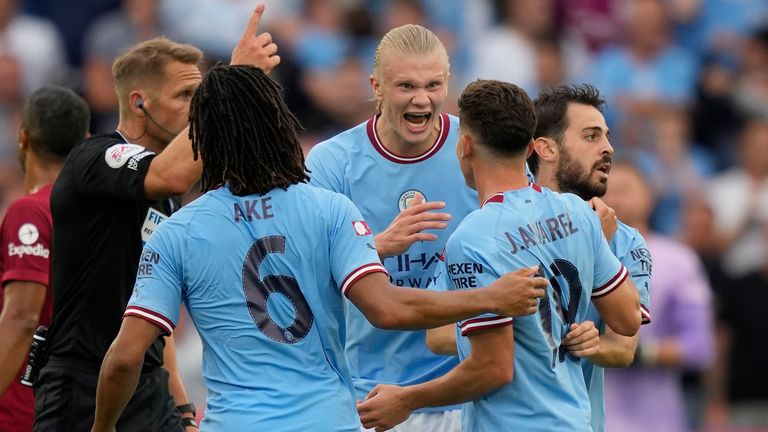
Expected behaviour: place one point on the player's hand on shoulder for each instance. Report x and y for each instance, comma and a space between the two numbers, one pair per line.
409, 226
256, 49
385, 407
517, 293
607, 216
583, 339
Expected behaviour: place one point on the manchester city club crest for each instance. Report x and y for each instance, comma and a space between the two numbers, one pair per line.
407, 197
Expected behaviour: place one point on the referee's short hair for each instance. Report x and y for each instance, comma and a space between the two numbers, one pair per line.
144, 64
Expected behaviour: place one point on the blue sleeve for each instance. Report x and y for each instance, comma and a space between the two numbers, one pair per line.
468, 267
639, 265
352, 249
157, 294
326, 168
609, 273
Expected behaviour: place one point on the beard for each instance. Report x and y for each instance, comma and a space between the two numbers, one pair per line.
571, 177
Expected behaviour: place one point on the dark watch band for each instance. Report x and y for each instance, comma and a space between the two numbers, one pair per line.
187, 409
189, 421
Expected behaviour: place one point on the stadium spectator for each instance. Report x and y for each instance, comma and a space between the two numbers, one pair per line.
714, 115
643, 74
192, 21
31, 56
53, 121
721, 27
510, 371
597, 22
264, 284
745, 189
675, 166
112, 192
401, 147
751, 92
71, 20
649, 395
108, 37
739, 380
509, 51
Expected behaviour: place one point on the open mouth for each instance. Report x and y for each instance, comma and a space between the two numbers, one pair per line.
417, 121
604, 167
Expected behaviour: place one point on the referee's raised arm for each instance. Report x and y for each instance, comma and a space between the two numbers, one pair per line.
175, 170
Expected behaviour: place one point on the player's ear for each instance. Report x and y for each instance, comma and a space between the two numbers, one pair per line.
530, 149
467, 146
136, 101
546, 149
375, 86
23, 139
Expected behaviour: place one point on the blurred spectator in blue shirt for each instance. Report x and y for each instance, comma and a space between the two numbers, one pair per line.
643, 73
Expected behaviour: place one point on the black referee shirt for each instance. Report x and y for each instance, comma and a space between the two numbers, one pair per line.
99, 216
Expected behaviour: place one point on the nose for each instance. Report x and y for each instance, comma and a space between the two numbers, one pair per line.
421, 98
607, 147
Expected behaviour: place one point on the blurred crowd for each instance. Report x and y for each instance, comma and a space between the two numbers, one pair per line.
686, 83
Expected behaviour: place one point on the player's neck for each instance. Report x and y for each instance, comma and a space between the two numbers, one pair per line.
547, 179
38, 174
497, 177
394, 143
135, 132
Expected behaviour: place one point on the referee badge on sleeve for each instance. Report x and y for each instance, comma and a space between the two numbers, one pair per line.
117, 155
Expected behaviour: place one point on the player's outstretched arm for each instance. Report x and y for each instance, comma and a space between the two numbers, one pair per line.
409, 226
442, 340
391, 307
22, 303
488, 367
120, 371
175, 383
174, 170
620, 309
615, 350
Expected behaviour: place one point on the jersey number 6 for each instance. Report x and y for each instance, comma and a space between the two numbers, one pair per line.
257, 292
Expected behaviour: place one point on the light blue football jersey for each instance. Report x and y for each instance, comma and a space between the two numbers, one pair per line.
263, 278
629, 246
561, 234
382, 184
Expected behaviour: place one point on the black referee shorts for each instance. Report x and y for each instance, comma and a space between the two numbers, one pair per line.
65, 401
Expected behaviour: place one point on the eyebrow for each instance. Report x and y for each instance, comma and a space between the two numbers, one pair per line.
597, 129
412, 80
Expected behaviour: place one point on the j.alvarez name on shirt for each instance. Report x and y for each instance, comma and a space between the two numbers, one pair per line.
541, 232
253, 209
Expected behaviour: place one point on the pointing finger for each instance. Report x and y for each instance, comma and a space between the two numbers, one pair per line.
253, 22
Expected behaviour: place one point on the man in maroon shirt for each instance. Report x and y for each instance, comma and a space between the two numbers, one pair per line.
53, 121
